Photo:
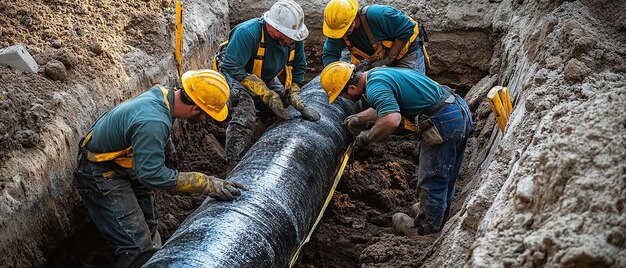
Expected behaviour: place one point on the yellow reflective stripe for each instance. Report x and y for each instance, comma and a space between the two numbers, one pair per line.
167, 101
344, 161
355, 51
408, 125
260, 53
380, 46
289, 68
87, 138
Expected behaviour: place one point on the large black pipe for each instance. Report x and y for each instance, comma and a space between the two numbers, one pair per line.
290, 172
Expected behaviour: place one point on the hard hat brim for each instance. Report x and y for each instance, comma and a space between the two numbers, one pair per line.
221, 116
334, 33
296, 35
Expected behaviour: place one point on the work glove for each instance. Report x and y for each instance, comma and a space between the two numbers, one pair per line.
308, 113
355, 125
269, 97
362, 139
382, 62
196, 182
363, 66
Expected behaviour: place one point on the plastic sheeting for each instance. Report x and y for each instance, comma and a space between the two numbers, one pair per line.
290, 172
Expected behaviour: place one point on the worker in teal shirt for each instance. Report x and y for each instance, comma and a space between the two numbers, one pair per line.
375, 35
258, 51
122, 158
444, 124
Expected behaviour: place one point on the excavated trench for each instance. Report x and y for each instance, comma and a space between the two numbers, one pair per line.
378, 181
537, 195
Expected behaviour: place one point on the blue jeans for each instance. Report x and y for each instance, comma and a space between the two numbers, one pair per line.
122, 208
439, 166
412, 60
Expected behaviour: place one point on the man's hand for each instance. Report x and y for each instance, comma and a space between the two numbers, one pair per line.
354, 124
383, 62
308, 113
223, 190
196, 182
363, 138
269, 97
363, 66
273, 101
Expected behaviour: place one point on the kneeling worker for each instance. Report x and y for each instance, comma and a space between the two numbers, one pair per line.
443, 120
123, 157
257, 52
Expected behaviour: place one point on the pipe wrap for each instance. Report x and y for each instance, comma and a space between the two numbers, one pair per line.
289, 171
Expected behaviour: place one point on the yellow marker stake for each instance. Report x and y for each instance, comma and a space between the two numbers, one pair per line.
179, 37
499, 111
506, 100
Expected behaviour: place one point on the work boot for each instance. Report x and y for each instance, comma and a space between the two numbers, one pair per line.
404, 224
415, 210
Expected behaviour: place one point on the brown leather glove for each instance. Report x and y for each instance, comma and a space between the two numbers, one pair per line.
308, 113
196, 182
269, 97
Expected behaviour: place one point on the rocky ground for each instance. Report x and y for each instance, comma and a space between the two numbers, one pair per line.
549, 191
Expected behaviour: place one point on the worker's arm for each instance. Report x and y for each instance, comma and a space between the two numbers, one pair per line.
395, 49
384, 126
299, 64
332, 50
390, 24
387, 110
148, 140
238, 52
368, 115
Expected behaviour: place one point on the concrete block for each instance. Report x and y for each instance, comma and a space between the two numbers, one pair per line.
17, 57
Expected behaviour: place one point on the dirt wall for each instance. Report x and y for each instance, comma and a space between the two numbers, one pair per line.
92, 56
551, 190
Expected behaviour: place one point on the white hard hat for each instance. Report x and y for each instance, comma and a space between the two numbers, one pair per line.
287, 17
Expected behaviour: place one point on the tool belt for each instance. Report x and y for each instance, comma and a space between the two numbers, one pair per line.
425, 127
448, 97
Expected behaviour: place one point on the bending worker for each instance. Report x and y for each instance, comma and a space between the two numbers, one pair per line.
444, 123
257, 51
376, 35
122, 158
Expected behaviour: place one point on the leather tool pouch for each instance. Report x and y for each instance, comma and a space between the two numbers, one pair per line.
428, 131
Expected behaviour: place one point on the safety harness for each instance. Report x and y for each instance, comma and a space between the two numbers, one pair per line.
381, 47
258, 59
123, 158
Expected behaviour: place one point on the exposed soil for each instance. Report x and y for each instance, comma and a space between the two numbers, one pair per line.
549, 191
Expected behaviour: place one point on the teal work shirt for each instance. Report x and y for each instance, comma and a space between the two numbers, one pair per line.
242, 49
145, 123
391, 90
385, 22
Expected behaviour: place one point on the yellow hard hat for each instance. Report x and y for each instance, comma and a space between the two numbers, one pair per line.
338, 16
335, 77
208, 89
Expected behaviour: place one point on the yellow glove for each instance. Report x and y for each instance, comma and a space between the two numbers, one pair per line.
308, 113
269, 97
196, 182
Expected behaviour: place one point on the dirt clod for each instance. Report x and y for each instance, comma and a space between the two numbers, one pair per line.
576, 71
55, 70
